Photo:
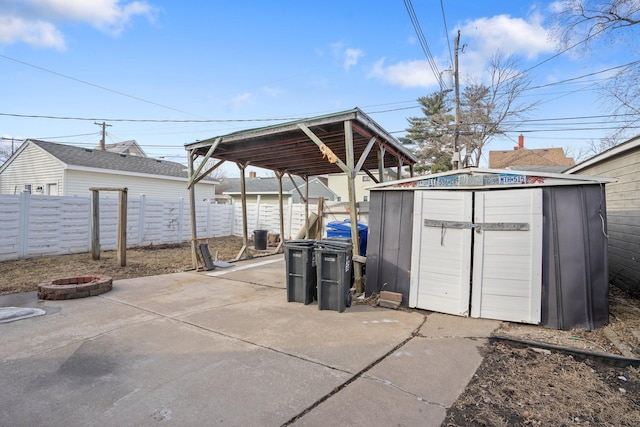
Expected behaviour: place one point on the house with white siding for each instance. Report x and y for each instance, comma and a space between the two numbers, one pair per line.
266, 190
47, 168
621, 162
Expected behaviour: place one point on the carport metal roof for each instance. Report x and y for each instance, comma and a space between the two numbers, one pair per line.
288, 147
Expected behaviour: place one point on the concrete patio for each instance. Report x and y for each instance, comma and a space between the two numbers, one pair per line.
225, 347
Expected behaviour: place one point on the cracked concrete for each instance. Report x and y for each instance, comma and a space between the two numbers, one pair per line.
198, 349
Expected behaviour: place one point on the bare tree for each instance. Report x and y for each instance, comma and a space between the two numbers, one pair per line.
486, 110
580, 23
491, 109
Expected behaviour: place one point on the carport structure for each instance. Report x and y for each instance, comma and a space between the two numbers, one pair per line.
347, 141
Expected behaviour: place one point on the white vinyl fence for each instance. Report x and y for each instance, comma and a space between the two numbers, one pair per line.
32, 226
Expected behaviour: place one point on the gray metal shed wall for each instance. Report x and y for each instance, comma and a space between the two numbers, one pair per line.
575, 287
389, 243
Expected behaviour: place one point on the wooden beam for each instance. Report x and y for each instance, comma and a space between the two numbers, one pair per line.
211, 169
321, 145
192, 179
306, 207
192, 215
353, 214
381, 153
243, 192
364, 155
279, 175
373, 178
296, 187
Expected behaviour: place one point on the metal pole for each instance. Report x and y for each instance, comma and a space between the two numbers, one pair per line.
192, 213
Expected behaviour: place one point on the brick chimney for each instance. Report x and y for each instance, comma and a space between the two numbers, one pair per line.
520, 143
252, 174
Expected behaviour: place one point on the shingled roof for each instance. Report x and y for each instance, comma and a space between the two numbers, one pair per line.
269, 185
529, 157
98, 159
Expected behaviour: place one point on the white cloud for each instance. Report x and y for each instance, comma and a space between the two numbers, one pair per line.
405, 74
512, 36
347, 55
34, 33
272, 91
351, 57
35, 21
239, 101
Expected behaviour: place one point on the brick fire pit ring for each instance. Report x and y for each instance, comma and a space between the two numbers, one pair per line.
75, 287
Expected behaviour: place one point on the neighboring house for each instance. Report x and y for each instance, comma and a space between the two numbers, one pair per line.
267, 189
130, 148
623, 209
537, 159
338, 183
49, 168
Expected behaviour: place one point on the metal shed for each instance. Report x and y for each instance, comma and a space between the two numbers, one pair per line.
497, 244
347, 141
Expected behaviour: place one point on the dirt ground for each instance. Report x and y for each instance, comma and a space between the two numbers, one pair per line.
513, 386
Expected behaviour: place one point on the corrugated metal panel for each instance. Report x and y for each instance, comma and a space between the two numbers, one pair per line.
575, 285
441, 256
507, 262
389, 243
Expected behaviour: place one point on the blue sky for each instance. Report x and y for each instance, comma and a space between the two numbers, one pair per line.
248, 64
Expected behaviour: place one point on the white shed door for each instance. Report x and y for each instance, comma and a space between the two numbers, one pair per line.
441, 251
507, 255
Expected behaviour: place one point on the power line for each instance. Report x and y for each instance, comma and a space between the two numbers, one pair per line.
446, 30
94, 85
423, 41
32, 116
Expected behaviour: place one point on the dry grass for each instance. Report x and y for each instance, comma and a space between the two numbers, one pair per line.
530, 388
25, 275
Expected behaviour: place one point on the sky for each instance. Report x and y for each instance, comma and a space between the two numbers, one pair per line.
167, 73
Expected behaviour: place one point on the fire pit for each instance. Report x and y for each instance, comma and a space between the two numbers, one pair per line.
75, 287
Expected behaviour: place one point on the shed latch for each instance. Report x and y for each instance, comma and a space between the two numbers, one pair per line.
479, 227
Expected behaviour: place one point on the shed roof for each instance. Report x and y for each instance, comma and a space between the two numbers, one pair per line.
285, 147
478, 178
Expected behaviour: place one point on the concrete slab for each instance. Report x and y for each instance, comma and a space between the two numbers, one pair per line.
68, 322
267, 271
436, 370
368, 402
440, 325
180, 293
349, 341
160, 371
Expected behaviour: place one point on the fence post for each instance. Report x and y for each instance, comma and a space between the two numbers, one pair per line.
258, 199
23, 232
180, 213
141, 214
95, 225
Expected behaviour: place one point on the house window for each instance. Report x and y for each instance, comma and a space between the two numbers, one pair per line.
366, 198
339, 198
366, 178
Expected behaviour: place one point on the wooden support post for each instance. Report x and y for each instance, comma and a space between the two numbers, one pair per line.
381, 152
320, 216
244, 252
306, 207
355, 237
279, 175
192, 214
122, 228
95, 225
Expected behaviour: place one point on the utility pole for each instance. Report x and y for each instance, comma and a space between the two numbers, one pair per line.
12, 141
104, 132
456, 130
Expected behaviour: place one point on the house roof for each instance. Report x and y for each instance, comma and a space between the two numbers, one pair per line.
620, 149
269, 185
529, 157
98, 159
286, 147
125, 147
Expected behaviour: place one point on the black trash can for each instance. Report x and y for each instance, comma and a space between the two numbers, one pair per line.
301, 271
333, 266
260, 239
